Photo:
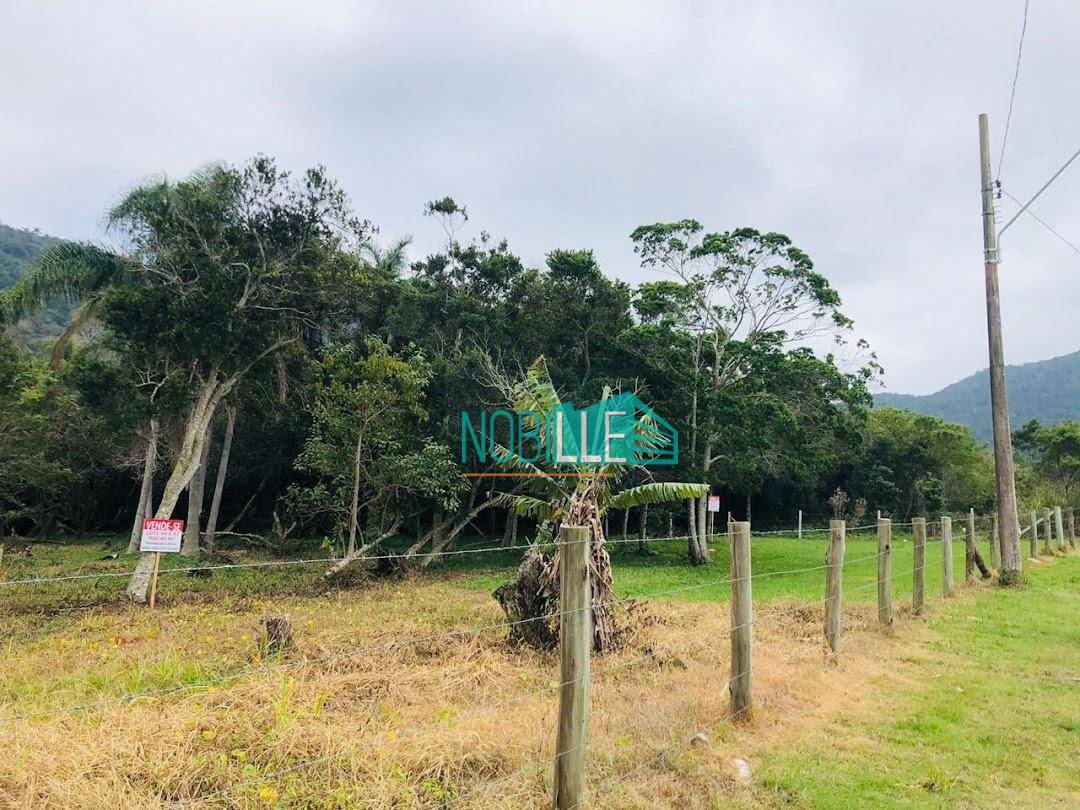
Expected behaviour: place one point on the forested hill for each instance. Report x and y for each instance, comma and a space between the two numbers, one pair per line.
1048, 390
19, 248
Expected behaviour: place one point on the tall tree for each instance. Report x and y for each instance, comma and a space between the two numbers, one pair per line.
217, 273
733, 290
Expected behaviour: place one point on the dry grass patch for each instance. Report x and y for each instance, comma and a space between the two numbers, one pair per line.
357, 716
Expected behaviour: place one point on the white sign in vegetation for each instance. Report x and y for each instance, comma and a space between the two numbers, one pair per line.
161, 535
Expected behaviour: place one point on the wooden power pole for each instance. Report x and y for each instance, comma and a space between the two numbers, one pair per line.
1008, 522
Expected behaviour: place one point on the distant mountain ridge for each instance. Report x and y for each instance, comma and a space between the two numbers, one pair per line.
1047, 390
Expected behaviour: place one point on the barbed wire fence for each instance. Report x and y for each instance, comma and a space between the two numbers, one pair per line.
569, 782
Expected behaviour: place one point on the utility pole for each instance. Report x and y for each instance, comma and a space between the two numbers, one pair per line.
1008, 523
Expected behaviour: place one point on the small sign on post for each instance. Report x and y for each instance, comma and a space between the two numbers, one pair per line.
160, 536
714, 503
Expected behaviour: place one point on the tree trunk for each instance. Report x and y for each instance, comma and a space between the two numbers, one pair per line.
441, 538
691, 533
584, 511
701, 511
700, 504
700, 550
349, 560
625, 524
209, 395
196, 491
532, 597
79, 320
219, 482
146, 493
355, 495
438, 530
509, 539
643, 528
529, 600
244, 509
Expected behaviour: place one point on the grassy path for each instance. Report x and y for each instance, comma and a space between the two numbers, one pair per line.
987, 713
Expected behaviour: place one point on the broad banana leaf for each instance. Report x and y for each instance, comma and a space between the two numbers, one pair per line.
661, 492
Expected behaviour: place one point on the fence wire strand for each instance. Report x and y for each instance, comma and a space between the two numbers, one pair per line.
529, 694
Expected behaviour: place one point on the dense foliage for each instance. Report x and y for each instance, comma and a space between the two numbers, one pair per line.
346, 367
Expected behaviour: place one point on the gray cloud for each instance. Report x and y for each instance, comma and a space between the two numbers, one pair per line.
850, 126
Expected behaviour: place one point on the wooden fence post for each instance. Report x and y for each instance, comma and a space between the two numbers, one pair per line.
1048, 532
884, 572
969, 548
946, 555
742, 617
575, 648
1033, 541
918, 588
995, 544
1059, 528
834, 575
154, 579
1072, 528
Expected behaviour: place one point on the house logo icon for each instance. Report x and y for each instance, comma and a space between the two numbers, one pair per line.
618, 430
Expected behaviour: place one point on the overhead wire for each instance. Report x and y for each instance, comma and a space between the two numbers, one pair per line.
1012, 93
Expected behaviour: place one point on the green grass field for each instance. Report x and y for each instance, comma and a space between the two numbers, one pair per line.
989, 715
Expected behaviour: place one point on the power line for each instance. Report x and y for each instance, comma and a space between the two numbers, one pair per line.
1042, 222
1038, 193
1012, 95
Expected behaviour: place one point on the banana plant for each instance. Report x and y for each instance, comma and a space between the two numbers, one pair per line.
577, 495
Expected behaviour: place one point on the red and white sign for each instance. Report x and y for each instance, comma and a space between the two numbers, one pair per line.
714, 503
161, 535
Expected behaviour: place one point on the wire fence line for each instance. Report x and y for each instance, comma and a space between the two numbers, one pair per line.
464, 552
458, 633
189, 569
621, 775
665, 752
486, 707
547, 689
390, 646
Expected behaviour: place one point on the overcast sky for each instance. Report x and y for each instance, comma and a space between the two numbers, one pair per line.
850, 126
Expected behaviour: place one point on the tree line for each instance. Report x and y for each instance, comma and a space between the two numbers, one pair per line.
248, 353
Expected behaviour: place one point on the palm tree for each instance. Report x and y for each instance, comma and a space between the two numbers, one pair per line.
70, 272
389, 260
80, 273
579, 499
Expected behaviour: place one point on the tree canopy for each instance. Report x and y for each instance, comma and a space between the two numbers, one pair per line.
246, 298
